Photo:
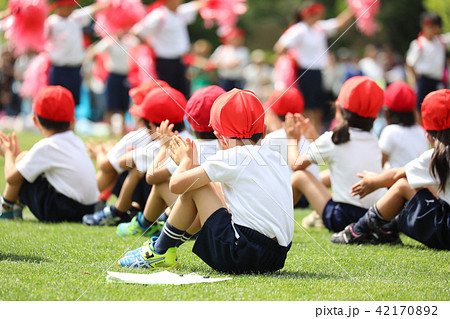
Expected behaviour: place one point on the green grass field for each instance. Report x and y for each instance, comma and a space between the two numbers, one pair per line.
68, 261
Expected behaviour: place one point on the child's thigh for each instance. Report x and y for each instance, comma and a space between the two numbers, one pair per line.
316, 193
207, 200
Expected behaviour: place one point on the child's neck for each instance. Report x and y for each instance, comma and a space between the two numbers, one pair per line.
47, 133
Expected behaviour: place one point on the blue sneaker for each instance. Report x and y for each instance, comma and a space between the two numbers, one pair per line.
11, 211
146, 257
105, 217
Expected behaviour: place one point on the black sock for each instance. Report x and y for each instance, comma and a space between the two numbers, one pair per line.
170, 236
114, 211
372, 217
144, 222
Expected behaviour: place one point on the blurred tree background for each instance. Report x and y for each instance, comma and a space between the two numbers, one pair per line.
265, 20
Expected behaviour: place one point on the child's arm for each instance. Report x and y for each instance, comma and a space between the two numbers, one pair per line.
186, 177
8, 149
293, 125
371, 181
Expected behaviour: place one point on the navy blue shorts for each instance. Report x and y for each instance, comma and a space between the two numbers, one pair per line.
68, 77
50, 206
173, 71
427, 220
425, 85
310, 84
336, 216
253, 252
117, 87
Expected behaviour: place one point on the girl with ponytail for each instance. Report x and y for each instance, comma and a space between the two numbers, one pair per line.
349, 149
417, 202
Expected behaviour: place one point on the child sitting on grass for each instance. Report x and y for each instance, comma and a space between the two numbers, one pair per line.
251, 230
198, 110
402, 140
349, 149
55, 178
158, 105
417, 202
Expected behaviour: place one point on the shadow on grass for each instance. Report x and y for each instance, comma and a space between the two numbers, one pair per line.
30, 259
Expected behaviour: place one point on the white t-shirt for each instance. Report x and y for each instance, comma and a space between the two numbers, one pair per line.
345, 161
310, 42
170, 37
256, 188
229, 54
278, 141
132, 140
427, 57
418, 175
65, 37
205, 148
117, 54
64, 161
402, 144
143, 156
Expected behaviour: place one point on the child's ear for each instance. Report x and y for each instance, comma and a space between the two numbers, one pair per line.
72, 124
35, 121
430, 139
265, 132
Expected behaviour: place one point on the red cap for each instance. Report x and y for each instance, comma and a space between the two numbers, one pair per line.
237, 113
362, 96
312, 9
55, 103
436, 110
198, 107
161, 104
60, 3
399, 97
138, 93
286, 101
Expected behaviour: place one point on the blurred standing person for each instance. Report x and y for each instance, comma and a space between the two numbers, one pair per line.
309, 38
371, 67
200, 70
258, 75
230, 59
426, 56
65, 45
165, 27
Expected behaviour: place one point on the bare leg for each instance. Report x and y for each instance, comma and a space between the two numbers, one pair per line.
160, 198
106, 179
393, 201
303, 182
11, 191
325, 178
204, 201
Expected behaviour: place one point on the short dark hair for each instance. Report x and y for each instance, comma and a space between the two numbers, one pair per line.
254, 138
401, 118
431, 18
205, 135
53, 125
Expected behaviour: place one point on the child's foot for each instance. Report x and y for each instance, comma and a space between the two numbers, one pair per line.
348, 236
381, 236
148, 258
105, 217
313, 220
134, 229
10, 210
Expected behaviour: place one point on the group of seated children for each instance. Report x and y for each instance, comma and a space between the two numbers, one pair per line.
233, 186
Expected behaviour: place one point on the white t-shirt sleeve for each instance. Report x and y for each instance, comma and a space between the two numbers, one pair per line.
385, 141
292, 36
35, 162
412, 56
418, 171
223, 167
143, 156
150, 23
330, 26
321, 150
188, 12
82, 16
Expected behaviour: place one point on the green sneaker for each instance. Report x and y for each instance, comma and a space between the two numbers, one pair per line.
148, 258
134, 229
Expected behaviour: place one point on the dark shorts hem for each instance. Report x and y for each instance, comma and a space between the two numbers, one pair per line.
252, 252
336, 216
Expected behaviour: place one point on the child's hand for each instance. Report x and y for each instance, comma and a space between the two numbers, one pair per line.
8, 144
182, 150
165, 131
365, 186
307, 129
292, 127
